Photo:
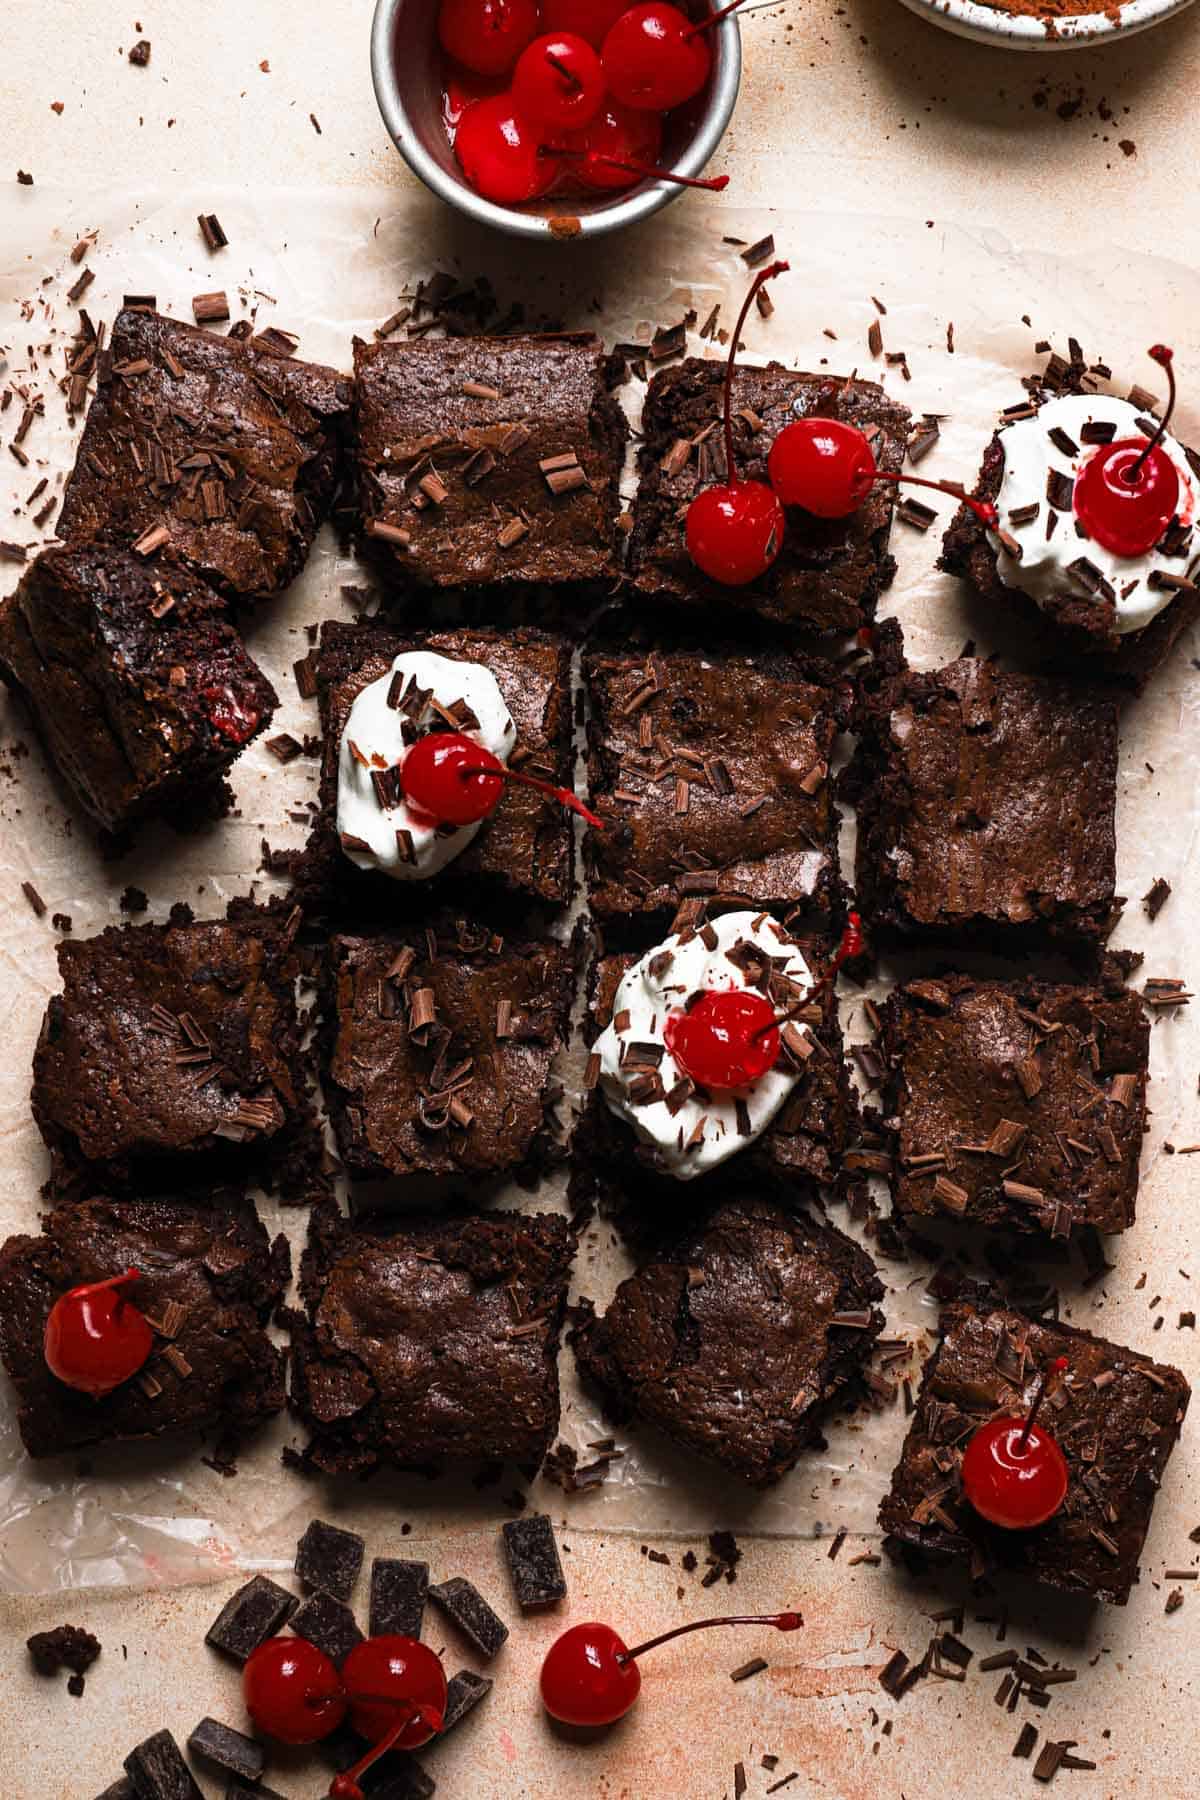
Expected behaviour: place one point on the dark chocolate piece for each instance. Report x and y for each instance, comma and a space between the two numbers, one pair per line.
464, 1691
158, 1771
329, 1559
121, 1789
398, 1593
465, 1606
404, 1779
224, 1748
329, 1624
533, 1561
258, 1611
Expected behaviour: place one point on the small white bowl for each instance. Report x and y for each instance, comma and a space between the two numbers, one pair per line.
1015, 31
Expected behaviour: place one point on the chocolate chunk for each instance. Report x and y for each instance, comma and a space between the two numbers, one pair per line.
158, 1771
406, 1779
329, 1559
238, 1790
1156, 897
248, 1618
533, 1561
119, 1790
463, 1692
398, 1592
329, 1624
466, 1607
227, 1749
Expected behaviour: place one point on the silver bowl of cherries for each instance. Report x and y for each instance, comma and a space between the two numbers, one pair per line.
555, 118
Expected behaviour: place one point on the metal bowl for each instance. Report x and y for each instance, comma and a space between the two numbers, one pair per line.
405, 59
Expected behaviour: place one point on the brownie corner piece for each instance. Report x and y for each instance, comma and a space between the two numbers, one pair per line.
485, 462
209, 1281
986, 807
211, 445
711, 767
1018, 1105
437, 1044
140, 687
173, 1047
830, 572
432, 1342
1115, 1414
706, 1315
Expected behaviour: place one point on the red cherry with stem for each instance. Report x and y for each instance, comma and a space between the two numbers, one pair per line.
827, 467
396, 1687
655, 56
726, 1040
499, 154
590, 19
292, 1691
593, 162
455, 781
486, 36
1013, 1472
615, 148
589, 1677
558, 83
1127, 493
95, 1337
734, 530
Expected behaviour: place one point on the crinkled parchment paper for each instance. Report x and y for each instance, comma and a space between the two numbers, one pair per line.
328, 265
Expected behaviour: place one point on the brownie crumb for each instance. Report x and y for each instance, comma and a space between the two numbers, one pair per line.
66, 1647
139, 56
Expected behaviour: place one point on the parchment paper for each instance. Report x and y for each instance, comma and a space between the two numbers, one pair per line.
326, 264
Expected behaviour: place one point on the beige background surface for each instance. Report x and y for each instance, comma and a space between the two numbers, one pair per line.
855, 108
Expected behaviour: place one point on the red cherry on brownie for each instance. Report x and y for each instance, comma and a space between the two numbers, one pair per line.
455, 781
1013, 1472
726, 1040
590, 1677
1127, 493
500, 154
292, 1691
486, 36
95, 1337
558, 84
827, 467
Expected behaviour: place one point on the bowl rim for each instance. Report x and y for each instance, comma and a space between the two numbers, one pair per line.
641, 203
1019, 31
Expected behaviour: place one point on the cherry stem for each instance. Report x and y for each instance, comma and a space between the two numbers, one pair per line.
984, 511
763, 276
712, 19
714, 184
568, 76
850, 947
785, 1621
1166, 360
114, 1281
564, 796
407, 1711
1056, 1367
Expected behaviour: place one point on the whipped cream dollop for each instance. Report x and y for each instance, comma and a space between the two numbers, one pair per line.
382, 725
1031, 459
693, 1130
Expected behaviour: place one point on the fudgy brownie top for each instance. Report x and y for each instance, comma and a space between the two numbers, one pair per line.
711, 770
230, 450
138, 682
208, 1280
986, 803
489, 460
1115, 1415
1018, 1104
437, 1341
437, 1047
735, 1336
830, 572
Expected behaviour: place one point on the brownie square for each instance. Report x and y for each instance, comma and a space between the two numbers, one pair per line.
171, 1045
830, 572
1018, 1104
711, 770
209, 1281
986, 806
140, 688
1115, 1415
230, 451
1078, 617
437, 1042
803, 1141
735, 1338
526, 846
489, 461
436, 1342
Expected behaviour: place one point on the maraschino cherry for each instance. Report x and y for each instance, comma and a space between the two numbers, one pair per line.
616, 149
558, 84
729, 1038
590, 1677
655, 57
827, 467
500, 154
1013, 1472
95, 1336
292, 1691
486, 36
735, 529
450, 778
1127, 493
396, 1687
590, 19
